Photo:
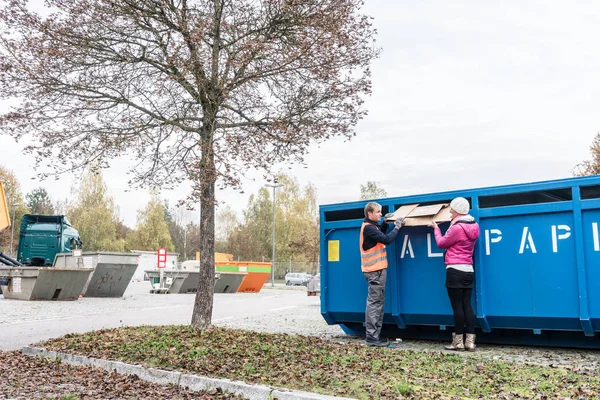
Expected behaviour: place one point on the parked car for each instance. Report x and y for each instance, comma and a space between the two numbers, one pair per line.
297, 278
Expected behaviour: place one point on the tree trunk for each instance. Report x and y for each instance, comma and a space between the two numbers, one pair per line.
203, 304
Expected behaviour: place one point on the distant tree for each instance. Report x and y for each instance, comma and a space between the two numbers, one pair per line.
197, 90
227, 220
152, 230
226, 223
16, 210
296, 225
183, 230
591, 166
95, 215
39, 202
372, 191
12, 187
168, 213
60, 206
178, 238
297, 221
192, 240
251, 241
122, 230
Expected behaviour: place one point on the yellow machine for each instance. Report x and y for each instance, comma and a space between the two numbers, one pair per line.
4, 218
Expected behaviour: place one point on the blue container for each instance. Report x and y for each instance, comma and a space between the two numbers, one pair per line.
537, 266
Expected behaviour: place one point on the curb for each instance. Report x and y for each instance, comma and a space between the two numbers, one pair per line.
192, 382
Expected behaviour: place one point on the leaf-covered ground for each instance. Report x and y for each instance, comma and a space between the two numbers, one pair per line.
26, 378
317, 365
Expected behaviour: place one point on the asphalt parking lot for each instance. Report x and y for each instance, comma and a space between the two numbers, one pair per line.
276, 309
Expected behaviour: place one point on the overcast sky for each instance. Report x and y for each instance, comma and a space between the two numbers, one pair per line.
465, 94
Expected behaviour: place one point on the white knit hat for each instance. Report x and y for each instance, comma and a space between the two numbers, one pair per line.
460, 205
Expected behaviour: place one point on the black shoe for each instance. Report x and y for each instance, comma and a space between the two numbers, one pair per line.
377, 343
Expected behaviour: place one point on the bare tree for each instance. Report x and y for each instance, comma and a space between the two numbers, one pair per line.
183, 230
201, 90
591, 166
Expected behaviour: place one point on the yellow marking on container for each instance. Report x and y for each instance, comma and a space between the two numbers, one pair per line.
333, 250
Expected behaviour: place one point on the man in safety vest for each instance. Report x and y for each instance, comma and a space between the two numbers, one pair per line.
373, 261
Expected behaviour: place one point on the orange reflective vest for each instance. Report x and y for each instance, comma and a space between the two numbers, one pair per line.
374, 259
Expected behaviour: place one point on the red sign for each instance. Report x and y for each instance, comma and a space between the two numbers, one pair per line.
162, 258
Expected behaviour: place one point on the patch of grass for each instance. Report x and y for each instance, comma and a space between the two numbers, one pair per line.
316, 365
402, 388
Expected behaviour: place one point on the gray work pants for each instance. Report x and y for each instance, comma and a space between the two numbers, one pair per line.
375, 302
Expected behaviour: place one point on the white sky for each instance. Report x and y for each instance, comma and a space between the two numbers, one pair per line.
465, 94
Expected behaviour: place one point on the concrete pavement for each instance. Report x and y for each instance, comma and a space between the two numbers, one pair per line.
27, 322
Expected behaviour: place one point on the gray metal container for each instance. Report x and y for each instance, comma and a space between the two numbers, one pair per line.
175, 281
229, 282
112, 271
44, 283
185, 281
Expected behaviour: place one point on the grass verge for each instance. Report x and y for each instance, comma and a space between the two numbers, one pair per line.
317, 365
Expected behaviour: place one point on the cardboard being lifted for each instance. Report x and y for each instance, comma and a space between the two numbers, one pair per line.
416, 215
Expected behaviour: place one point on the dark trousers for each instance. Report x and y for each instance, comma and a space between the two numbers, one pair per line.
375, 303
460, 299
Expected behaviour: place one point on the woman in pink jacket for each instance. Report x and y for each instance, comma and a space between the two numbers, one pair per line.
459, 242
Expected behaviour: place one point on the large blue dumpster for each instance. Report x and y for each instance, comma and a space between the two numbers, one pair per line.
537, 266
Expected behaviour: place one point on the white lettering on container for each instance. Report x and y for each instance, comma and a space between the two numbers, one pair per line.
496, 239
530, 244
595, 235
429, 246
560, 236
407, 245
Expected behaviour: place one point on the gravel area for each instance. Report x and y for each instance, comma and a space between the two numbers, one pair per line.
303, 320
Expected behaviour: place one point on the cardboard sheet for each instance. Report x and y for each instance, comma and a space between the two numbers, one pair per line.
422, 216
426, 211
402, 212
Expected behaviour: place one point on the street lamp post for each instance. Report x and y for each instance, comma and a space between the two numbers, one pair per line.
274, 186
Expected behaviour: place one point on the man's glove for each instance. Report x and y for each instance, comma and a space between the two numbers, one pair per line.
388, 215
399, 223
